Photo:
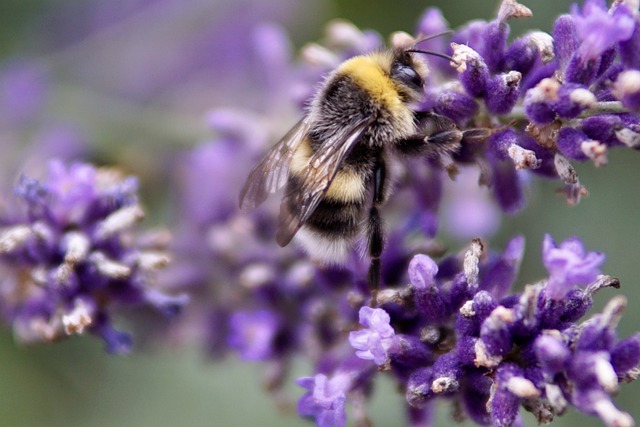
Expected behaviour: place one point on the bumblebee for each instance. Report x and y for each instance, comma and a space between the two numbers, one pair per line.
334, 162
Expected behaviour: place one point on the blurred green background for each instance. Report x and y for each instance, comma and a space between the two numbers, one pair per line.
74, 383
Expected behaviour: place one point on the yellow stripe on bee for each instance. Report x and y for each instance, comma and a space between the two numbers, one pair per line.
368, 73
347, 186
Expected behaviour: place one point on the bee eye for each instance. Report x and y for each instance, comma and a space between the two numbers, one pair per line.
406, 75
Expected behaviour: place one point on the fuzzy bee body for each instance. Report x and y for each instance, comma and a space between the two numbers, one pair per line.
334, 161
357, 90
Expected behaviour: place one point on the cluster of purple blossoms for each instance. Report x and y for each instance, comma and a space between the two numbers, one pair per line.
69, 259
457, 332
561, 97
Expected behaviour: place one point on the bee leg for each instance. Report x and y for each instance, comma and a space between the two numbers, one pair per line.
375, 230
447, 141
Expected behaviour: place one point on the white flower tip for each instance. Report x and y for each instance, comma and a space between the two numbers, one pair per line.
628, 82
109, 267
119, 220
77, 247
555, 397
523, 158
13, 237
583, 97
444, 385
463, 54
522, 387
467, 309
503, 314
76, 321
606, 375
315, 54
596, 151
343, 33
628, 137
546, 90
611, 415
149, 260
544, 43
256, 275
513, 9
483, 358
62, 274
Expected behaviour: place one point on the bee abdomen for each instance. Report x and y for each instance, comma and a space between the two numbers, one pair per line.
329, 233
335, 218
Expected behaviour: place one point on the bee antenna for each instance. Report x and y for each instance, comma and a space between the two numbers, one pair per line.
429, 52
433, 36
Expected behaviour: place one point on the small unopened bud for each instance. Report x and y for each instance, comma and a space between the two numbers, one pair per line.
149, 260
512, 9
544, 43
256, 275
13, 237
611, 416
596, 151
463, 54
606, 376
78, 318
522, 387
315, 54
444, 385
343, 33
77, 247
119, 220
583, 97
628, 137
467, 309
109, 267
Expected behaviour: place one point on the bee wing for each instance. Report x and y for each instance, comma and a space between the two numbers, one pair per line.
272, 172
298, 205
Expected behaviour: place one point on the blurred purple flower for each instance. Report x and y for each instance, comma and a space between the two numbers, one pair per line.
600, 29
23, 91
252, 334
325, 400
70, 256
569, 265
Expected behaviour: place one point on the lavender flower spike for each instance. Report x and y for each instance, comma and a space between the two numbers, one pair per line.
568, 265
71, 256
374, 342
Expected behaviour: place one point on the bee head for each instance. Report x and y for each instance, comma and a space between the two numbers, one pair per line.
407, 71
408, 74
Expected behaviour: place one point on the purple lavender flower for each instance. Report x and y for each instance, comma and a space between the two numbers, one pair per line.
569, 265
373, 343
326, 398
70, 258
252, 334
598, 29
